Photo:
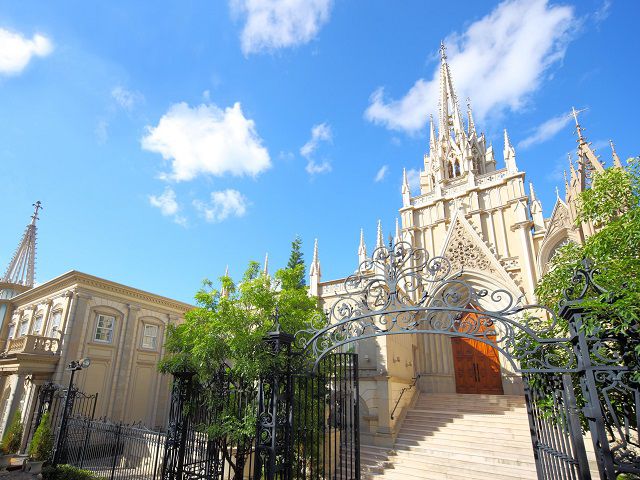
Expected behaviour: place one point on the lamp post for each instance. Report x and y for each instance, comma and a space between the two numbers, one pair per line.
73, 367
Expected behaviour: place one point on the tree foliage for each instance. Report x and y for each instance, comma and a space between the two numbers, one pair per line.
41, 446
612, 204
296, 259
13, 436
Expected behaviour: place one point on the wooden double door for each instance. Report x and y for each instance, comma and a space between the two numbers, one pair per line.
477, 366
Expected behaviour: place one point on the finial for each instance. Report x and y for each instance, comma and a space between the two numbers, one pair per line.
616, 158
533, 192
443, 51
37, 206
557, 189
397, 239
380, 240
266, 264
579, 129
315, 251
507, 142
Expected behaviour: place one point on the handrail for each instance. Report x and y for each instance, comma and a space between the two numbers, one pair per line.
405, 389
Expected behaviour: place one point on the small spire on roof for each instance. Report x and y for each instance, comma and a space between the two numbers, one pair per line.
380, 237
616, 158
266, 264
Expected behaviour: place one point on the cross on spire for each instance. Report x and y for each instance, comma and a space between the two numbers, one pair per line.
21, 269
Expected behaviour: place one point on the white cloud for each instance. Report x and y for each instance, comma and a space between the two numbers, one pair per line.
497, 62
126, 99
168, 205
381, 173
273, 24
207, 140
546, 130
320, 133
102, 131
224, 204
16, 51
413, 177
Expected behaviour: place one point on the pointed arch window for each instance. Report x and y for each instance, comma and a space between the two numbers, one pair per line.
457, 168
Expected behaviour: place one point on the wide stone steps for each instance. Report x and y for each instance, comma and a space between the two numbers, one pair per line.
477, 437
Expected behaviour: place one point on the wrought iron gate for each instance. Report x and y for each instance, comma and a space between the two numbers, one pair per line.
307, 424
577, 380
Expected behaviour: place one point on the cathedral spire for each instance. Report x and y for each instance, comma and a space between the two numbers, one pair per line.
379, 237
406, 190
21, 269
432, 137
616, 159
509, 154
587, 159
314, 272
265, 270
472, 124
448, 100
362, 248
397, 239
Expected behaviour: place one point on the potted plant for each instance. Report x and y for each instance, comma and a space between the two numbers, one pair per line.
5, 460
13, 436
41, 446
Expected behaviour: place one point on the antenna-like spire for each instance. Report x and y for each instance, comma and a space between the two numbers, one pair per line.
472, 124
380, 237
575, 113
265, 270
447, 94
397, 238
405, 182
315, 263
21, 269
616, 159
533, 192
362, 248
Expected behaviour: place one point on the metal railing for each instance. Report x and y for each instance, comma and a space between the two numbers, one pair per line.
402, 392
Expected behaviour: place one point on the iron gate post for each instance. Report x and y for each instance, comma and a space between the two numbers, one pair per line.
175, 444
573, 313
575, 432
275, 416
66, 413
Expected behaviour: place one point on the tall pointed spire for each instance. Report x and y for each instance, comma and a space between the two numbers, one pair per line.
379, 237
432, 137
21, 269
509, 154
265, 270
616, 159
533, 192
536, 211
397, 238
314, 272
587, 159
362, 248
472, 125
447, 95
406, 189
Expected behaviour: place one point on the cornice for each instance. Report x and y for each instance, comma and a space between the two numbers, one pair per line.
90, 282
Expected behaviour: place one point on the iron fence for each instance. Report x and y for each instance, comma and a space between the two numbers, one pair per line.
113, 451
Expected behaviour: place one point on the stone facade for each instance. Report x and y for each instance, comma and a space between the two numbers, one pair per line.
491, 228
121, 329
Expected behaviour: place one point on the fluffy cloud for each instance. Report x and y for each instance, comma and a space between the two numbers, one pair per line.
546, 130
381, 173
273, 24
126, 99
224, 204
497, 62
168, 205
16, 51
207, 140
320, 133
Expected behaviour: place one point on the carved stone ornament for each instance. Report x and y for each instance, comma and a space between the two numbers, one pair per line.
465, 253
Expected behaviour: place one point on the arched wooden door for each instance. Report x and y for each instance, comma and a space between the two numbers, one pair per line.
476, 365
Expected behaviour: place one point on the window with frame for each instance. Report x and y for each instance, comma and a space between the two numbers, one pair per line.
104, 328
36, 328
12, 330
53, 330
150, 336
24, 326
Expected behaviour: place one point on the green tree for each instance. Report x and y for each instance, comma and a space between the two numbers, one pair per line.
13, 437
223, 337
613, 205
41, 446
296, 259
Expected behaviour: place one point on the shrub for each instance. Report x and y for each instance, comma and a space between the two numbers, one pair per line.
66, 472
13, 437
41, 446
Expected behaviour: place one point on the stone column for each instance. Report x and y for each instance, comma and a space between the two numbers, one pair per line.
527, 269
120, 380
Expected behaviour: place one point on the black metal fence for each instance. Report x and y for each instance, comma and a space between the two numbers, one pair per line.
113, 451
301, 426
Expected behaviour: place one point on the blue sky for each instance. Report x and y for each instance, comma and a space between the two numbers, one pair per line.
169, 139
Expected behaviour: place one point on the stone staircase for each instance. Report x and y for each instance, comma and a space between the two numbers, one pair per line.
449, 436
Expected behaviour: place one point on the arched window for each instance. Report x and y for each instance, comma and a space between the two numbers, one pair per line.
53, 329
36, 328
457, 168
